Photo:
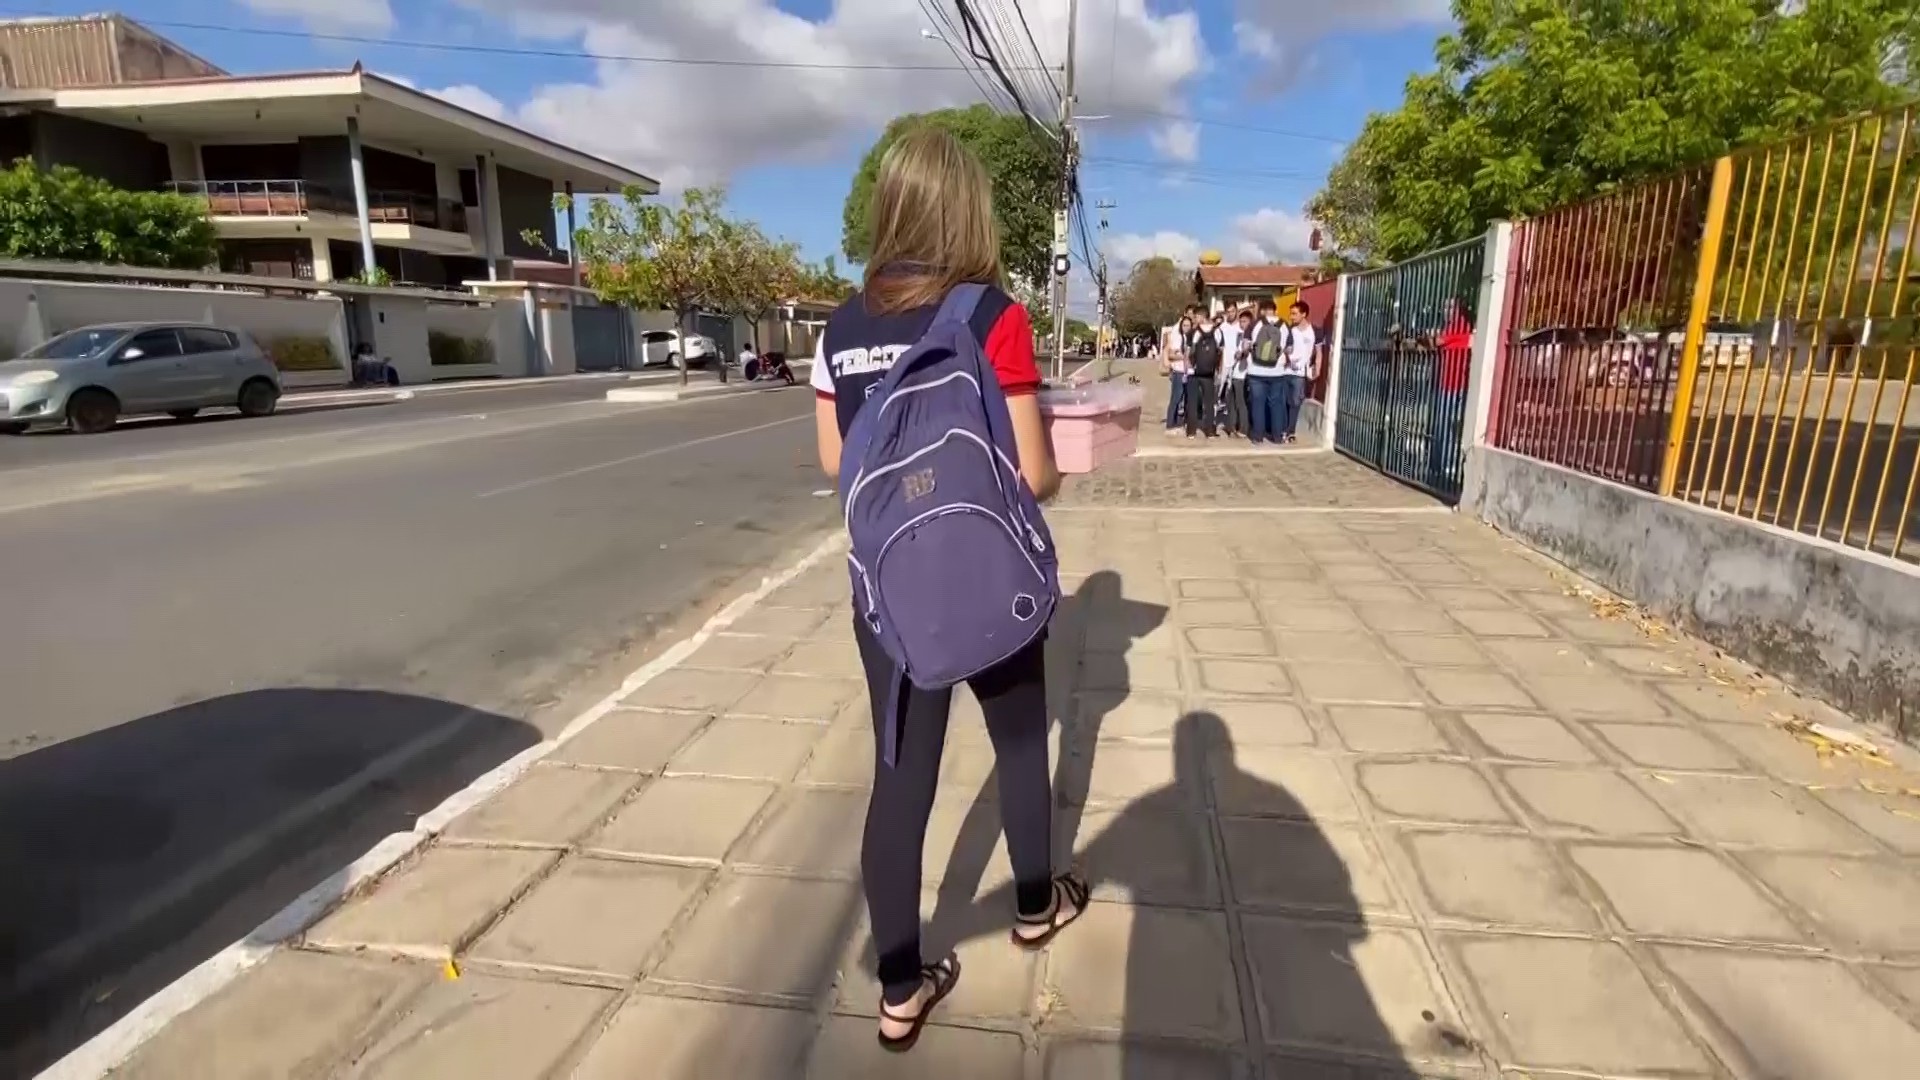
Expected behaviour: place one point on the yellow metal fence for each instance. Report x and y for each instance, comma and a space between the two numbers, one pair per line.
1789, 395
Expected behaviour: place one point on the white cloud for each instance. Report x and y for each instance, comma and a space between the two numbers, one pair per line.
691, 124
1285, 33
375, 15
1177, 140
1266, 235
473, 99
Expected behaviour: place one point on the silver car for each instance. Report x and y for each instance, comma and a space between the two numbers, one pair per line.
89, 378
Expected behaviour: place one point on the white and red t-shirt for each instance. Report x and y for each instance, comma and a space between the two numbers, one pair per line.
858, 347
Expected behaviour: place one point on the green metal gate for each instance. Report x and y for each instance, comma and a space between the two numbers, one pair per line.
1405, 352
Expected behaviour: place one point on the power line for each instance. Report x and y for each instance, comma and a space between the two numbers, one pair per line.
516, 50
1035, 45
1203, 121
946, 32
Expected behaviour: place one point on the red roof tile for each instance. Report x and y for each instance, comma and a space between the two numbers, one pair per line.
1278, 275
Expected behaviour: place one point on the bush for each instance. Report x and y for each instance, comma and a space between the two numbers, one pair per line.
302, 354
452, 350
68, 215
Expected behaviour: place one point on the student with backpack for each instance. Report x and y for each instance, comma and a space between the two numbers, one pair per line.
1206, 356
926, 412
1264, 370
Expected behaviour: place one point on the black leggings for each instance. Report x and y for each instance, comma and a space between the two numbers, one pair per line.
1014, 698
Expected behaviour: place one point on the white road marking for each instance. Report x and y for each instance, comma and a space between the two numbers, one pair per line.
642, 456
107, 1051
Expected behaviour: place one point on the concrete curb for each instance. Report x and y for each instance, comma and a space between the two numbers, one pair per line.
107, 1051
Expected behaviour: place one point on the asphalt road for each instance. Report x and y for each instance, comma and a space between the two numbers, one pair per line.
240, 652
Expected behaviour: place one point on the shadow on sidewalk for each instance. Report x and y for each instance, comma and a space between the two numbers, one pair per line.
133, 853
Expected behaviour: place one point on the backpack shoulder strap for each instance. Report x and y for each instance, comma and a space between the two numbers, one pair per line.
961, 302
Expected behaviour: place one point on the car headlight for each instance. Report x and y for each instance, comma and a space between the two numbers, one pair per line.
35, 378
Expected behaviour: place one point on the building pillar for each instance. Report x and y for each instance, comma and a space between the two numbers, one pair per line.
322, 258
357, 161
573, 256
1488, 325
1338, 324
486, 184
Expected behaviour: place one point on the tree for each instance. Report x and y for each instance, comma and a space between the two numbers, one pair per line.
652, 257
1023, 163
66, 214
1536, 103
762, 275
822, 281
1154, 294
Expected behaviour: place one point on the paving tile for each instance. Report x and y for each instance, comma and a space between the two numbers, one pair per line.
1905, 983
1210, 589
1529, 738
996, 980
1860, 906
1368, 572
1142, 714
1147, 671
1681, 892
1311, 616
809, 830
1575, 1005
1597, 802
1484, 878
434, 904
1317, 646
1151, 971
1760, 813
739, 652
682, 817
1409, 618
837, 659
1456, 591
1605, 696
677, 1037
1599, 630
636, 739
1261, 723
779, 937
1074, 1059
1237, 611
1472, 688
1378, 596
1148, 857
294, 1016
1501, 623
1131, 635
747, 750
1355, 682
1258, 677
783, 622
1669, 746
549, 805
844, 755
1123, 772
1348, 987
1229, 641
1530, 657
1431, 791
1783, 756
1328, 869
1270, 782
1893, 819
1794, 1016
1647, 660
595, 915
1437, 650
798, 697
1372, 730
847, 1050
689, 690
966, 848
1721, 704
482, 1026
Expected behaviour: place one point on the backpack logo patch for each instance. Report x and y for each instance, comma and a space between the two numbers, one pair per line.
917, 485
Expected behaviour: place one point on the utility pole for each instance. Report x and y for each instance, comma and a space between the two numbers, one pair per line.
1062, 261
1100, 279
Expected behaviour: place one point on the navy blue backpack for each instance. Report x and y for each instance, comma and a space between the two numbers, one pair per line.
953, 567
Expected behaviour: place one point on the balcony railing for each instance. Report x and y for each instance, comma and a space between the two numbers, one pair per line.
300, 198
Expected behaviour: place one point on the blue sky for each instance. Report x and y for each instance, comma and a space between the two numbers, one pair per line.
786, 142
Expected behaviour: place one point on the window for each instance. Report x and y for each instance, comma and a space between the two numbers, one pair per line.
655, 337
154, 344
469, 187
205, 339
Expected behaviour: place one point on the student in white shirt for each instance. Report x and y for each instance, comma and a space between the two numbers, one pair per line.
1173, 361
1296, 366
1238, 340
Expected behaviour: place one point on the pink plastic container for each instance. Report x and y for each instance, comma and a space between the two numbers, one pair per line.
1092, 425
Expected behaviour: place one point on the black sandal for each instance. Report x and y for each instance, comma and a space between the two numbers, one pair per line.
943, 975
1068, 888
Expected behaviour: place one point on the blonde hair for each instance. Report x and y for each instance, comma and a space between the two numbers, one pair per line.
931, 220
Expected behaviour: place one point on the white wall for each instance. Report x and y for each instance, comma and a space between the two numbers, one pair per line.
510, 344
556, 333
400, 336
467, 321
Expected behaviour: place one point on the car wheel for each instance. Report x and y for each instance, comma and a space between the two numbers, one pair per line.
673, 361
259, 397
183, 414
13, 429
91, 412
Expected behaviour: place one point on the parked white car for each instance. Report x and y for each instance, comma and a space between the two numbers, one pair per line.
672, 348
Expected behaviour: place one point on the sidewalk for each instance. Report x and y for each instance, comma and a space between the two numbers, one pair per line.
1367, 792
